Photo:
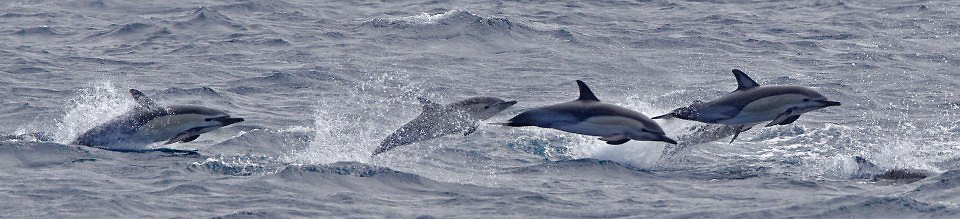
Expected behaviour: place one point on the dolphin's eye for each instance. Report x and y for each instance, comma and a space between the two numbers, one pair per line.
806, 99
486, 107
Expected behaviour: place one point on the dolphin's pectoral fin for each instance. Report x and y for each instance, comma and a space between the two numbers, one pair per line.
618, 142
177, 151
785, 116
789, 120
739, 129
189, 139
470, 130
183, 137
615, 139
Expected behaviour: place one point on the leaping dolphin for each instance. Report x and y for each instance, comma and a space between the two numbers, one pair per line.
751, 104
587, 115
149, 122
438, 120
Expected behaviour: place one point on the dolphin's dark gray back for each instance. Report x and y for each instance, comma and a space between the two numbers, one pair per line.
741, 98
577, 111
585, 106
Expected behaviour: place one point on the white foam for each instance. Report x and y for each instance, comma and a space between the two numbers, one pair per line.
92, 106
425, 18
349, 130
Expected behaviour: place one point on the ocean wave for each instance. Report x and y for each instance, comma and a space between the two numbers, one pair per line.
940, 188
268, 142
203, 92
33, 136
549, 147
41, 31
304, 77
33, 154
241, 165
948, 180
131, 32
182, 189
858, 206
206, 20
582, 167
25, 69
29, 15
459, 24
343, 169
248, 6
883, 207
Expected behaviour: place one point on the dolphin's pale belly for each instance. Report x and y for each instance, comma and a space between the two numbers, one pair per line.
167, 127
603, 126
766, 109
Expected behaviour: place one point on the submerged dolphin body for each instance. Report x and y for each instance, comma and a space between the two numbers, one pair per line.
438, 120
751, 104
867, 170
148, 123
587, 115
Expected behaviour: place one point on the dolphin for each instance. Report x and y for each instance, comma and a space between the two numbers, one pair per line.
751, 104
437, 120
868, 170
149, 122
587, 115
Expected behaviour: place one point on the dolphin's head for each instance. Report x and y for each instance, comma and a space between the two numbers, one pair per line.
813, 100
483, 107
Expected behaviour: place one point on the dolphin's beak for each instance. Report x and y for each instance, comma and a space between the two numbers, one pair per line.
666, 139
226, 120
829, 103
664, 116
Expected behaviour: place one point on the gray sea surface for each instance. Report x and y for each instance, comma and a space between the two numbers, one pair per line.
320, 83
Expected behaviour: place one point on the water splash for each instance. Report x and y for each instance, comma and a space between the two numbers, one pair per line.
425, 18
94, 105
238, 165
352, 127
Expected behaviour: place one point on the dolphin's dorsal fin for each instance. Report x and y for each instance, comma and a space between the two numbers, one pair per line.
429, 106
143, 101
744, 82
585, 93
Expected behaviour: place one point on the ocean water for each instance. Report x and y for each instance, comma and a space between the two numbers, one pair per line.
320, 83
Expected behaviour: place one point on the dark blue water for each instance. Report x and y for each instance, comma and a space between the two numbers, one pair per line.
321, 83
